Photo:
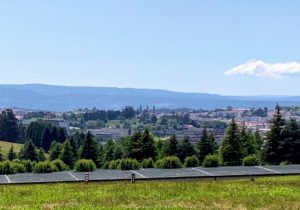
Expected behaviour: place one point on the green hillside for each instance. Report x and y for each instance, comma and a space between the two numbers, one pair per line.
5, 146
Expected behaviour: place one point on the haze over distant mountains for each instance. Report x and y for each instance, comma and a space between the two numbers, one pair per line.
66, 98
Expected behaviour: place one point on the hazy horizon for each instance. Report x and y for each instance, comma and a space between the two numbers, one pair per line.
85, 86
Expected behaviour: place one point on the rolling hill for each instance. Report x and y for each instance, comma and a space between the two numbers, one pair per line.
64, 98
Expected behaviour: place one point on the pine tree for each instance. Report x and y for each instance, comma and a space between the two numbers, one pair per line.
55, 150
90, 149
118, 153
148, 149
41, 155
74, 147
212, 142
11, 154
134, 146
248, 143
231, 146
290, 147
54, 134
61, 137
108, 151
9, 129
159, 148
29, 152
203, 146
185, 149
46, 139
258, 140
66, 154
206, 145
275, 137
171, 147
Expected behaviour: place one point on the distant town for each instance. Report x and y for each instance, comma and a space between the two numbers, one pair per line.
115, 124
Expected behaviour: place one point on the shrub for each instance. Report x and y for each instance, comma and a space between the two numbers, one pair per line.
28, 165
169, 162
5, 168
17, 167
85, 165
114, 164
212, 161
251, 160
191, 161
283, 163
106, 165
148, 163
45, 167
128, 164
60, 165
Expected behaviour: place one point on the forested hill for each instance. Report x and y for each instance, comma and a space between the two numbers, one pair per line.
64, 98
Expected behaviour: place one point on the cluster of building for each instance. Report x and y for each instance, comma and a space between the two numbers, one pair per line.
252, 122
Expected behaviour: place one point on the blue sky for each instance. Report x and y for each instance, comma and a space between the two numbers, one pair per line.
167, 44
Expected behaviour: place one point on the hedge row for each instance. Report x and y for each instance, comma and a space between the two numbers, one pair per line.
26, 166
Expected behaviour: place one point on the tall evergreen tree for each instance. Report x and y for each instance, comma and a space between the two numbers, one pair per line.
171, 147
11, 154
231, 146
46, 138
275, 137
90, 149
290, 147
185, 149
148, 149
118, 153
67, 155
9, 128
55, 150
159, 148
258, 140
108, 151
248, 143
206, 145
41, 155
74, 147
134, 146
61, 137
28, 152
54, 134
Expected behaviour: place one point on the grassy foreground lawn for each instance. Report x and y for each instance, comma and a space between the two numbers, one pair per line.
264, 193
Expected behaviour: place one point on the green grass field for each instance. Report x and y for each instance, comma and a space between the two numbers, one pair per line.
5, 146
264, 193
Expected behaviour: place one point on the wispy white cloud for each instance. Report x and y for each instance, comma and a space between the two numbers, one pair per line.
259, 68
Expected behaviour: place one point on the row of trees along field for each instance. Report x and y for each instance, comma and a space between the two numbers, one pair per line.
40, 132
240, 146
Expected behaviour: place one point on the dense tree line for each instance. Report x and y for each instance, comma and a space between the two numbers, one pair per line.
283, 140
281, 145
239, 143
9, 127
239, 147
127, 113
43, 134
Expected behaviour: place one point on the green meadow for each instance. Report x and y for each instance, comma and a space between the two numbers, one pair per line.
263, 193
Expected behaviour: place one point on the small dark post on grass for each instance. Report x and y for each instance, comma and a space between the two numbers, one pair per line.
132, 178
86, 177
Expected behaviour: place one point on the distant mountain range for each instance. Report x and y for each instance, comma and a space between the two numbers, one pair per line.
66, 98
